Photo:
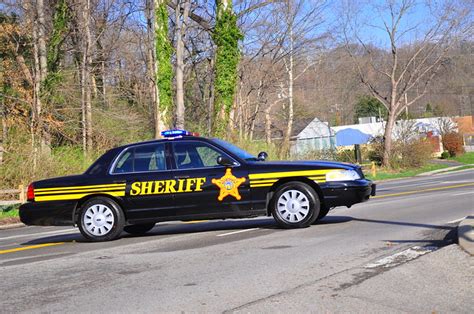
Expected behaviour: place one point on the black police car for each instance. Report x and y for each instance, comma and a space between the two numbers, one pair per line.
186, 177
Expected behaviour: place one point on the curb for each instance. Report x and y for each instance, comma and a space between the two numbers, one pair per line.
426, 174
11, 226
438, 171
466, 234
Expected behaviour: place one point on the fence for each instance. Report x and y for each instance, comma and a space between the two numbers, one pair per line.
13, 195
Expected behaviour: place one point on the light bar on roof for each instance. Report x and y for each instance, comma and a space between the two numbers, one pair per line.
177, 133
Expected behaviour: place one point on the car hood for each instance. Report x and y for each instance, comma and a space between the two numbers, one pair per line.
307, 163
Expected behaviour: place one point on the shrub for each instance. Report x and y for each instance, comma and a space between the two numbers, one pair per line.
445, 155
453, 143
413, 154
407, 153
324, 154
346, 155
375, 153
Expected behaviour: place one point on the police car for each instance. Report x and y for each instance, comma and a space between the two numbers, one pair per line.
187, 177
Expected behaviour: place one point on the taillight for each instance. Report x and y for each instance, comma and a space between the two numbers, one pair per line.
30, 194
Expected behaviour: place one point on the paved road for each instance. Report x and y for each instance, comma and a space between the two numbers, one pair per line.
251, 265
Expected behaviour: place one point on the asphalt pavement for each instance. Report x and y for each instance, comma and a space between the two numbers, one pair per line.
391, 254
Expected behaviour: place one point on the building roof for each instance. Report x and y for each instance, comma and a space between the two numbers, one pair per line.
314, 129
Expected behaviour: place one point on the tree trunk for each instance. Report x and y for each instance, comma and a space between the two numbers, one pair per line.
42, 40
181, 20
289, 129
151, 61
210, 109
86, 83
388, 139
226, 36
159, 64
257, 109
268, 123
104, 90
3, 140
36, 110
41, 71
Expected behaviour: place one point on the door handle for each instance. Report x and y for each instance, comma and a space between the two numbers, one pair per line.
181, 177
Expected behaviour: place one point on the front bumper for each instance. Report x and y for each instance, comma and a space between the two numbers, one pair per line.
47, 213
347, 193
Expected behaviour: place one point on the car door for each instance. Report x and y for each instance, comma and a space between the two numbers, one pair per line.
218, 192
145, 168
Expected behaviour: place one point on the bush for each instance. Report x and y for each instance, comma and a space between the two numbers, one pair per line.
346, 155
375, 153
445, 155
325, 154
453, 143
413, 154
408, 153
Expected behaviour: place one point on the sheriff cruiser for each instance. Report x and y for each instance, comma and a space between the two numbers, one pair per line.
187, 177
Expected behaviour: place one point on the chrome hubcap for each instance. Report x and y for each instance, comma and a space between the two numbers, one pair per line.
98, 220
293, 206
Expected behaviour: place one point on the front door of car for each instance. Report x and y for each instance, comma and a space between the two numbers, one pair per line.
145, 168
209, 190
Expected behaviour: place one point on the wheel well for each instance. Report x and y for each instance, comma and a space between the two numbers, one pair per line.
280, 182
75, 213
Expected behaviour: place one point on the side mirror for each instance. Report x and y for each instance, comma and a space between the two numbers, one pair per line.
224, 161
262, 156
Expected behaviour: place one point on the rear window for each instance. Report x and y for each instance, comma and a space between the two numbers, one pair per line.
142, 159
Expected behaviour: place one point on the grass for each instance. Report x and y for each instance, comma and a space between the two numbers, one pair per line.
461, 168
382, 174
466, 158
386, 174
9, 211
9, 214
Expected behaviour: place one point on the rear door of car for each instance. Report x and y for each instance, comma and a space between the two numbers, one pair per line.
208, 190
145, 168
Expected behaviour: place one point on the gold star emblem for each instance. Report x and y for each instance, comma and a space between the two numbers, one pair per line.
229, 185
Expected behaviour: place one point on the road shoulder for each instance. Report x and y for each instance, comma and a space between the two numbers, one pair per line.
442, 279
466, 234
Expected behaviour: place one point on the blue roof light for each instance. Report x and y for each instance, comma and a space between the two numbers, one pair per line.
177, 133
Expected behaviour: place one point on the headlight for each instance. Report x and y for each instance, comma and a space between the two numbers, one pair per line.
342, 175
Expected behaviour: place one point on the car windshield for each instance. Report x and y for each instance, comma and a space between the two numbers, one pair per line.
237, 151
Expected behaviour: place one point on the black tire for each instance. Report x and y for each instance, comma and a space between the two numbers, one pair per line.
323, 211
288, 212
139, 229
97, 211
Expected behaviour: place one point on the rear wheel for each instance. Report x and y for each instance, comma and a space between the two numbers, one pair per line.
139, 229
295, 205
101, 219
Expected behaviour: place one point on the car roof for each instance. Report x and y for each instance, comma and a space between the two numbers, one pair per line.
166, 140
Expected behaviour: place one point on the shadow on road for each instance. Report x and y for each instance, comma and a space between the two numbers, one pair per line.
185, 228
228, 225
436, 240
403, 223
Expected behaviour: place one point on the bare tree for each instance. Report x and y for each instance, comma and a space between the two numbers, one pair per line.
289, 46
181, 15
400, 73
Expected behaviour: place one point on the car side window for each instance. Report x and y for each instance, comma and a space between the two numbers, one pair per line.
142, 159
194, 154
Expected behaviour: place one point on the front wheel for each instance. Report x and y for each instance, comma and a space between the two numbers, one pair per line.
295, 205
322, 212
101, 219
139, 229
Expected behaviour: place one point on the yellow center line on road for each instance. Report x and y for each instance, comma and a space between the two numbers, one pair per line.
425, 190
194, 221
30, 247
